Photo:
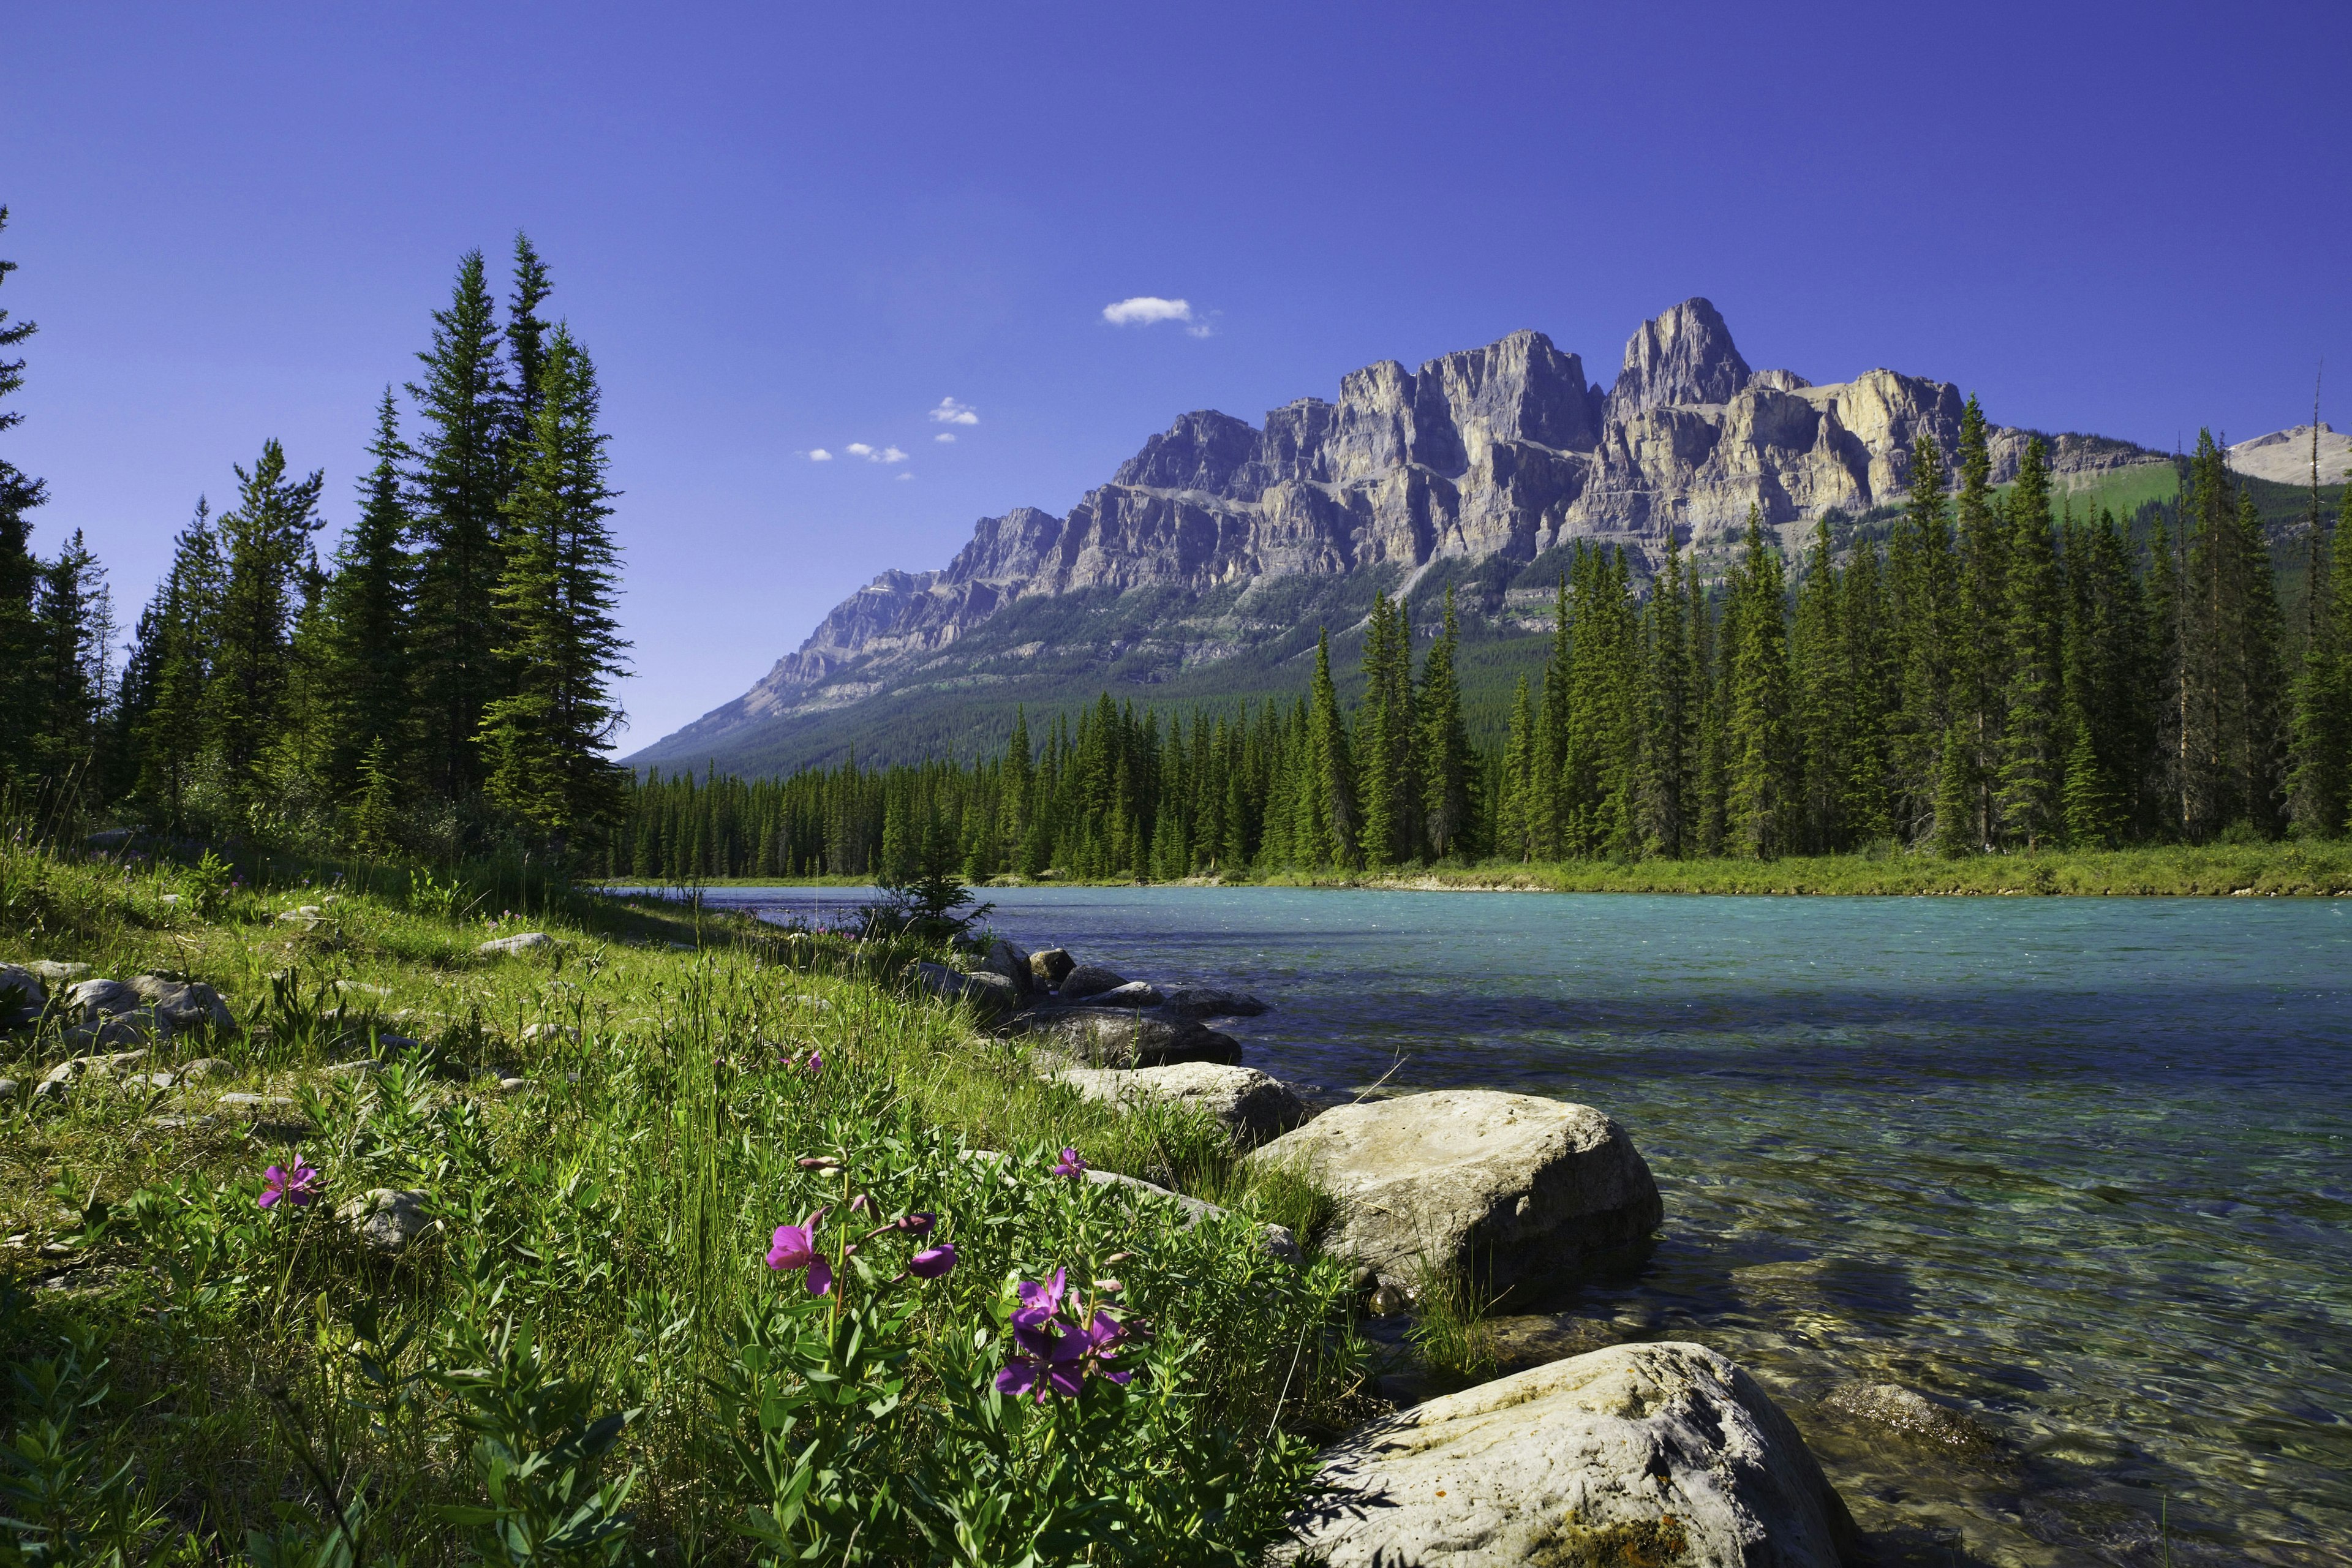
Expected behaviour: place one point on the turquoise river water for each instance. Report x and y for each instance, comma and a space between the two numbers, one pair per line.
2080, 1168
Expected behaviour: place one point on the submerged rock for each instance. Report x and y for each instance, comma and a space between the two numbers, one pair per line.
1657, 1454
1252, 1106
1207, 1002
1111, 1037
1893, 1408
1088, 980
1507, 1186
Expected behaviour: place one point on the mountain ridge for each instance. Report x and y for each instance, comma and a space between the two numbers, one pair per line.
1488, 457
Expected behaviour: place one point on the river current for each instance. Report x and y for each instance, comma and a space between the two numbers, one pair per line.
2081, 1169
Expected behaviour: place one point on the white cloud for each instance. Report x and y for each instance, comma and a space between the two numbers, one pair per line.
906, 476
1143, 310
886, 455
890, 455
860, 449
946, 436
820, 456
951, 412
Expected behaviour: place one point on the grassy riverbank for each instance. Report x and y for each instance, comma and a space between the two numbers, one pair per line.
592, 1344
2213, 870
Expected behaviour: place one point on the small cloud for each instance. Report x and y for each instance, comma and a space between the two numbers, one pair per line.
819, 455
1144, 309
860, 449
885, 454
951, 412
946, 436
906, 476
890, 455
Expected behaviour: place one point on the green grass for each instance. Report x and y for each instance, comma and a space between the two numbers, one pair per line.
593, 1303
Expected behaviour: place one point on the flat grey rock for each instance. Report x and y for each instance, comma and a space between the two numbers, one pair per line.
1665, 1454
521, 941
57, 974
1110, 1036
1134, 994
1252, 1107
1507, 1186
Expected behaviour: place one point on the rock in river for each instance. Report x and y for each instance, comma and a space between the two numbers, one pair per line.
1088, 980
1049, 966
1660, 1452
1252, 1107
1507, 1186
1112, 1037
1012, 961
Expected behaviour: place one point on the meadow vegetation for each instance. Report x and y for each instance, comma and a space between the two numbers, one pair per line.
639, 1152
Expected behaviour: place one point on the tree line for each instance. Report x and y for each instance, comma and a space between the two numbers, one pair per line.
1998, 674
443, 682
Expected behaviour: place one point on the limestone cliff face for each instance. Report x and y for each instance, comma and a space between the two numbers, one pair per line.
1505, 450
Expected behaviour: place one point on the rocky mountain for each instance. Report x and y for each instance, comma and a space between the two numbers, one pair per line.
1206, 545
2284, 457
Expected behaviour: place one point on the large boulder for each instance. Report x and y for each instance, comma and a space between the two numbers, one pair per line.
1252, 1107
1207, 1002
992, 994
1049, 966
1133, 994
183, 1007
1655, 1453
22, 997
1088, 980
1010, 960
88, 1001
1506, 1188
1111, 1037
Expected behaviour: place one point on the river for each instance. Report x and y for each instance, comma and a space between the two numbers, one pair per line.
2081, 1168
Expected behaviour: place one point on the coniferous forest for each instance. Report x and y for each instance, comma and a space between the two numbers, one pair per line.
441, 685
1997, 675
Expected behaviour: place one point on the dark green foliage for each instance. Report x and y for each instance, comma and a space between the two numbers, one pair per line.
364, 690
19, 573
263, 541
2032, 764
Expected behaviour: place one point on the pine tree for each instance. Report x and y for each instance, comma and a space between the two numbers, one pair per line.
546, 738
1824, 698
1955, 795
460, 487
179, 638
2032, 759
263, 541
364, 624
1332, 819
1978, 652
1548, 748
74, 627
2321, 800
1760, 750
1920, 583
1709, 696
1874, 685
526, 352
1378, 726
375, 813
1664, 713
2231, 663
19, 570
1444, 768
1514, 833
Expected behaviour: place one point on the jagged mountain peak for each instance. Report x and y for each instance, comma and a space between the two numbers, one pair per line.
1681, 355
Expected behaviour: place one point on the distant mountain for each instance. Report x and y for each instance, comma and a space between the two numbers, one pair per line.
2283, 457
1203, 567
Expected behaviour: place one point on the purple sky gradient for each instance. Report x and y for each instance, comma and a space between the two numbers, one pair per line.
780, 228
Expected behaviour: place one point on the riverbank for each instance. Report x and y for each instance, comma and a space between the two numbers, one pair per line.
358, 1207
2212, 871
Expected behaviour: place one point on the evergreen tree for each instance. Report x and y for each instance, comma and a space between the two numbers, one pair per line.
1824, 698
74, 627
1548, 750
1874, 687
2034, 760
1978, 652
545, 738
263, 541
1332, 820
1920, 589
526, 352
1514, 833
19, 570
2322, 795
178, 639
1444, 768
1382, 729
1955, 795
1760, 750
2233, 743
364, 624
1709, 694
375, 813
1664, 715
456, 526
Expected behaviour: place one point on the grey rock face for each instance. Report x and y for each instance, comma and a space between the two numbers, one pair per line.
1501, 451
88, 1001
181, 1006
1508, 1186
521, 941
1252, 1106
1205, 1002
1050, 966
386, 1220
1130, 993
1088, 980
57, 974
1105, 1036
1653, 1453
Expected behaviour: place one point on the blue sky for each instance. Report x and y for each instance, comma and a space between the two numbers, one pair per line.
782, 229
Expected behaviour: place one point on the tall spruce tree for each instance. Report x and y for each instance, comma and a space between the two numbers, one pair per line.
74, 626
1824, 700
1875, 688
2321, 798
364, 631
1331, 819
1381, 730
1920, 591
1513, 832
1977, 650
19, 570
2233, 748
464, 401
264, 540
179, 638
1760, 792
2033, 751
1663, 786
1445, 756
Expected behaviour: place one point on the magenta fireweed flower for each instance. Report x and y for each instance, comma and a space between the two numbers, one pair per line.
1071, 1164
932, 1261
816, 1064
917, 1224
1039, 1302
297, 1186
795, 1249
1051, 1353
